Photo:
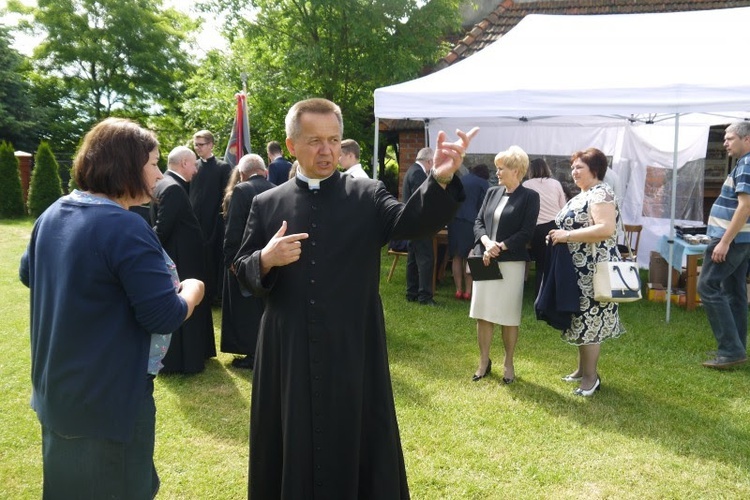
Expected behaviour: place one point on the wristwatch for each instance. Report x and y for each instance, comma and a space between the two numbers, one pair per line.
442, 179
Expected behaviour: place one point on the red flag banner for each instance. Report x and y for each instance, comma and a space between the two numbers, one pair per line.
239, 142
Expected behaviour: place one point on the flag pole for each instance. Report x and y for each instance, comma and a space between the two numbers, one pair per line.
243, 76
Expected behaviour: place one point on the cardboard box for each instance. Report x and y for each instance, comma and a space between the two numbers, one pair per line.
656, 292
679, 298
658, 269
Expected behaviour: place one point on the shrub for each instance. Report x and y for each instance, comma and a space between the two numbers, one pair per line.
46, 185
72, 182
11, 194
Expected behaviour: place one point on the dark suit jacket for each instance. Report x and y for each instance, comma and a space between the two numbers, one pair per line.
517, 221
278, 170
206, 194
180, 233
476, 189
238, 212
240, 312
177, 226
414, 178
559, 296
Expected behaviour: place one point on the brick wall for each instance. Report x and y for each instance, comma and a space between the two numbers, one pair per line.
410, 142
24, 169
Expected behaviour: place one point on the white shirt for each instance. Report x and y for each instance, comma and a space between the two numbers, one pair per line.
356, 170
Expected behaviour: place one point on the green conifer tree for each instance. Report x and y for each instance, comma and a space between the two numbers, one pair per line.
11, 195
46, 186
72, 182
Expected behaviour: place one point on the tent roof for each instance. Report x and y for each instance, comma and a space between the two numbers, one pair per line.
625, 64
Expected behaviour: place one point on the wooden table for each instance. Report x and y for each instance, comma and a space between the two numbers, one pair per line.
691, 254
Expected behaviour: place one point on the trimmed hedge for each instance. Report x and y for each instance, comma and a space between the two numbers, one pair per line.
11, 194
46, 186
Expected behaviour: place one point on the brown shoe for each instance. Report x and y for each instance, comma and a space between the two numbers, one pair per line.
724, 363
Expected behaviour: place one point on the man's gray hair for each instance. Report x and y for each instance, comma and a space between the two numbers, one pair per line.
178, 154
425, 154
742, 129
250, 164
315, 106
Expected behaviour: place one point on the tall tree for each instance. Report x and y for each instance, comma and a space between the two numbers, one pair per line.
339, 49
17, 121
125, 57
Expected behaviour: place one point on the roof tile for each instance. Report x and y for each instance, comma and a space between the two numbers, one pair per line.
509, 13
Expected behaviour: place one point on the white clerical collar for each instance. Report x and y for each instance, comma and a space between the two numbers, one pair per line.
313, 184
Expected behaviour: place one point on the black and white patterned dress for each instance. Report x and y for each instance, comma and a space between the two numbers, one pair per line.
597, 321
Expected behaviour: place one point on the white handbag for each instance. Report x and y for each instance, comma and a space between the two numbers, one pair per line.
617, 282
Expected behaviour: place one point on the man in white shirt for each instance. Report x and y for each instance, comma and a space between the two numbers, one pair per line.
349, 159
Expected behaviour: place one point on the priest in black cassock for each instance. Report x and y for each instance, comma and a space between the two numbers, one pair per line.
240, 311
323, 420
180, 235
206, 194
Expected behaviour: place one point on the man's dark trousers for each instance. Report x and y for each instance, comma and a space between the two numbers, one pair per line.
419, 269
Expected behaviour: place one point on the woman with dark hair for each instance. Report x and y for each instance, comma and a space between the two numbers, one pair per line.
461, 228
588, 225
103, 303
551, 201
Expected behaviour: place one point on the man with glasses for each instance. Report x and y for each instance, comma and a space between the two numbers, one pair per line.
206, 194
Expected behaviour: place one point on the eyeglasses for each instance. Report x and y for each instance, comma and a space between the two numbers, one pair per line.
200, 144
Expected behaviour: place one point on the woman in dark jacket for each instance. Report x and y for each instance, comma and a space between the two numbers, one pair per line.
503, 227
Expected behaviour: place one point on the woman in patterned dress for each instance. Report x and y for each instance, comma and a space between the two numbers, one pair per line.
588, 224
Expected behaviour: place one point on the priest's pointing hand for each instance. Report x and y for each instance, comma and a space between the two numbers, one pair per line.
281, 250
449, 155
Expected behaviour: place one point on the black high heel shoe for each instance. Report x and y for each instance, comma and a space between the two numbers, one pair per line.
476, 377
588, 393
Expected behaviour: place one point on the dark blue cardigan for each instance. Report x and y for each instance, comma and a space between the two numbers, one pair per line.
99, 289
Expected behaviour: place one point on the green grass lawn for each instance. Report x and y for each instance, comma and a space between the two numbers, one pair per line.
661, 427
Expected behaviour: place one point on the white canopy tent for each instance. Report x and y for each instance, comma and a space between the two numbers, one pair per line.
625, 64
642, 87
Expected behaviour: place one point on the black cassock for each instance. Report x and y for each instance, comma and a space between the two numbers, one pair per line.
323, 421
206, 194
180, 235
240, 313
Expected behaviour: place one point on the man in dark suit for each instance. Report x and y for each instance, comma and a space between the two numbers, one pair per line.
180, 234
278, 166
206, 193
240, 311
420, 261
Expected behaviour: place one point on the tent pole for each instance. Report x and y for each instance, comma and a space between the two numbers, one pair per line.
376, 142
670, 241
